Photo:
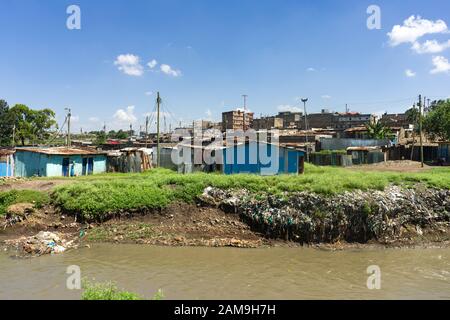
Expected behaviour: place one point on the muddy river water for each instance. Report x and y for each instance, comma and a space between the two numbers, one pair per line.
229, 273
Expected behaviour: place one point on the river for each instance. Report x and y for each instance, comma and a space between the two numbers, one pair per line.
230, 273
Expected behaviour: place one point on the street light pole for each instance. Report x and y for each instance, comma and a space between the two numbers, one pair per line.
304, 100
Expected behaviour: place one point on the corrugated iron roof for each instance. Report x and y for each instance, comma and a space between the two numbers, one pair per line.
6, 152
63, 151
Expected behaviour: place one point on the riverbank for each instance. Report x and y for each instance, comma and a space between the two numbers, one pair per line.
331, 208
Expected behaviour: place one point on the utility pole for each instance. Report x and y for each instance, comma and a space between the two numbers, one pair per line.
245, 110
304, 100
146, 131
420, 130
69, 114
14, 135
346, 108
158, 103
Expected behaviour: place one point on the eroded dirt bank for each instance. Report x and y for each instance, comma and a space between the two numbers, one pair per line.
395, 217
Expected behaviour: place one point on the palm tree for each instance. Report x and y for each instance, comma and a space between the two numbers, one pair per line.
377, 130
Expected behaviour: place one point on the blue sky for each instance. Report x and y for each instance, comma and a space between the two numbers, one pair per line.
210, 52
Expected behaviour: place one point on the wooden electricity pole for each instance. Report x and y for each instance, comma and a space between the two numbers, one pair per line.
158, 103
146, 132
420, 130
69, 114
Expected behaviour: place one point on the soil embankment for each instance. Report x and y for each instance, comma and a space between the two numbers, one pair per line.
394, 217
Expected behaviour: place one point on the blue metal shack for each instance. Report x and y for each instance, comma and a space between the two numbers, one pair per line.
57, 162
262, 158
6, 163
444, 151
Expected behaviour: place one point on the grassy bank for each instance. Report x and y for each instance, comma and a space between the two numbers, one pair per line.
8, 198
97, 197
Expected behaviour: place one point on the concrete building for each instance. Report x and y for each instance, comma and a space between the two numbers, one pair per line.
237, 120
352, 119
290, 119
336, 121
267, 123
395, 120
57, 162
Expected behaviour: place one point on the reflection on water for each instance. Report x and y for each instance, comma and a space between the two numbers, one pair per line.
229, 273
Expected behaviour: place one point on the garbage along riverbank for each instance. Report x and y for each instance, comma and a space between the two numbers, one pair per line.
395, 217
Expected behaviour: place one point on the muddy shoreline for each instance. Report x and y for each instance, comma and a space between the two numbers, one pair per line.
181, 224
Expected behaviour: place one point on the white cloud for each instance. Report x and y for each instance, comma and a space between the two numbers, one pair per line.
152, 64
326, 97
148, 93
414, 28
165, 68
129, 64
94, 119
125, 116
75, 119
310, 69
430, 46
441, 65
409, 73
287, 107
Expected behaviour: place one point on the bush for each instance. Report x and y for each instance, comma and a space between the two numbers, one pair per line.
110, 291
39, 199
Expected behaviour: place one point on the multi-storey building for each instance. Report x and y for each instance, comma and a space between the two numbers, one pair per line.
290, 119
237, 119
336, 121
267, 123
395, 120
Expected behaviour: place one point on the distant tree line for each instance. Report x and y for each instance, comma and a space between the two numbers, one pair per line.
26, 125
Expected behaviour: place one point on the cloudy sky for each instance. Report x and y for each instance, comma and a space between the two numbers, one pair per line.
202, 55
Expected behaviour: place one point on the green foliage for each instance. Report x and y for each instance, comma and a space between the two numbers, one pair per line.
437, 121
6, 127
377, 130
31, 125
100, 138
22, 196
110, 291
99, 197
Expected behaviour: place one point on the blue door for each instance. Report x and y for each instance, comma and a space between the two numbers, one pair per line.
90, 166
65, 167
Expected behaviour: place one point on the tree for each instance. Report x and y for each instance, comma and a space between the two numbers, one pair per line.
6, 128
437, 122
377, 130
32, 125
100, 138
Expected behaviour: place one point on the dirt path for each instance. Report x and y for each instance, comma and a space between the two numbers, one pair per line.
406, 166
38, 185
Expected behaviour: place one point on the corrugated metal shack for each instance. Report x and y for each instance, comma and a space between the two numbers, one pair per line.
282, 159
243, 157
343, 144
444, 151
366, 155
130, 160
6, 163
58, 161
341, 159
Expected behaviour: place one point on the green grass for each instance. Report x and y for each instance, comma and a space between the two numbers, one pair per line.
110, 291
97, 197
39, 199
